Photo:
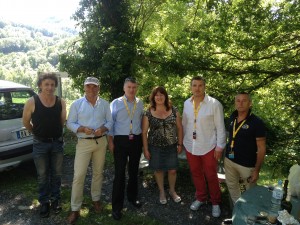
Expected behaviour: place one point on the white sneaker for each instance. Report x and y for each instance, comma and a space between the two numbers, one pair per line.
195, 205
216, 211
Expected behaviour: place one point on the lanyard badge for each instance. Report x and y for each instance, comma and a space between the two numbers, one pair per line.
130, 114
194, 135
234, 132
196, 111
231, 155
131, 137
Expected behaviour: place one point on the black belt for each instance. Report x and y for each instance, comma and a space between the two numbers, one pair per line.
48, 140
93, 138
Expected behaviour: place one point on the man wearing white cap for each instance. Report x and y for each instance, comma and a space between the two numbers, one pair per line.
90, 119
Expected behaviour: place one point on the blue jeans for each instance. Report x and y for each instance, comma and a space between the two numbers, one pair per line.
48, 160
163, 158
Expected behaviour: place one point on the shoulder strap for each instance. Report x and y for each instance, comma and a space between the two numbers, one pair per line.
174, 111
36, 100
35, 97
58, 103
148, 113
58, 99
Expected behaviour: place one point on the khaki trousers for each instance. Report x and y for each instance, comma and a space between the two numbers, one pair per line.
234, 173
88, 150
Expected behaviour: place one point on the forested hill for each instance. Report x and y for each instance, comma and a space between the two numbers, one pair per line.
25, 50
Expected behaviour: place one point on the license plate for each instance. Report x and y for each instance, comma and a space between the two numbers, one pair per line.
23, 133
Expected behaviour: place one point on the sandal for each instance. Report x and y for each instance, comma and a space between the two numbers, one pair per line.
176, 198
162, 199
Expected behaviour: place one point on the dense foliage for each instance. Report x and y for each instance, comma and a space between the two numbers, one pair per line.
107, 45
238, 45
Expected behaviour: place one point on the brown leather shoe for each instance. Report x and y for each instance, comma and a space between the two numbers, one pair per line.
97, 207
73, 217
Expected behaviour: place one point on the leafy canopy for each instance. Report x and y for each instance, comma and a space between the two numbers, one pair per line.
237, 45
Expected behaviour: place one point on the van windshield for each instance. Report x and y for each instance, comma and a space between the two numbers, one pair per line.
12, 103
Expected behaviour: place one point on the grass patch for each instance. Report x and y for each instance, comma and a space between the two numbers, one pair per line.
266, 176
70, 141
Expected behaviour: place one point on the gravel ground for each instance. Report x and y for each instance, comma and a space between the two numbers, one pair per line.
17, 210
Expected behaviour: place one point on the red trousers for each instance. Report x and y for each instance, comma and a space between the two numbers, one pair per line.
204, 171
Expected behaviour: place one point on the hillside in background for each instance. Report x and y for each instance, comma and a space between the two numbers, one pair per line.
26, 50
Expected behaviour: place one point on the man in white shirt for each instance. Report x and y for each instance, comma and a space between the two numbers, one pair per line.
204, 140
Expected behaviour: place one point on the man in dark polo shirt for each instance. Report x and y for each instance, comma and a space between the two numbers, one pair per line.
246, 147
44, 115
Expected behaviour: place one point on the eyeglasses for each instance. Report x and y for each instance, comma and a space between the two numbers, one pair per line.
130, 79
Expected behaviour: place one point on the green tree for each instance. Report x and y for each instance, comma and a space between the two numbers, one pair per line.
107, 45
238, 45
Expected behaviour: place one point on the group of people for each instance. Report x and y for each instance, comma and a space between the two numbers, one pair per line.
126, 129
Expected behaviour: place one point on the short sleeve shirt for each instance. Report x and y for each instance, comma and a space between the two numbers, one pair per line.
162, 132
245, 147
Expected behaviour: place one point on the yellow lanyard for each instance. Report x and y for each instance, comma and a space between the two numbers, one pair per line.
234, 132
196, 111
130, 114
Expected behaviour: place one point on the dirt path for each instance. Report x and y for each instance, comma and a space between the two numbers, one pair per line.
16, 209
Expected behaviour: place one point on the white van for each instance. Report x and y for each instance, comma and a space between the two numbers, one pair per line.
15, 141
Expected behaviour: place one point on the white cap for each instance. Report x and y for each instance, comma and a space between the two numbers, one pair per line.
91, 80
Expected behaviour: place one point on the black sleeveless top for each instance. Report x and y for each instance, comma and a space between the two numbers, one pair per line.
162, 132
47, 120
